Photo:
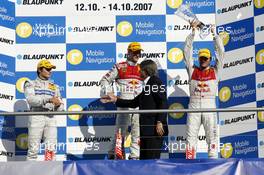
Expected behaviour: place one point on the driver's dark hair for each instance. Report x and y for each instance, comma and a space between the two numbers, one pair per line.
38, 70
206, 57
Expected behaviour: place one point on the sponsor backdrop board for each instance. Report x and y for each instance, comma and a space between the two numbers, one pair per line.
239, 24
88, 38
7, 80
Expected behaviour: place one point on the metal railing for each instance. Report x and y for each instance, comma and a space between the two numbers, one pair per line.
89, 112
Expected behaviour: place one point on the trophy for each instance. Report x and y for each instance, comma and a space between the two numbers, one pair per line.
185, 13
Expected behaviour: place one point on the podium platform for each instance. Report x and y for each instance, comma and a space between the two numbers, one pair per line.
137, 167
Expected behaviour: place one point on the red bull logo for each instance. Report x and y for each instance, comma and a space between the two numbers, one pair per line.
202, 85
134, 83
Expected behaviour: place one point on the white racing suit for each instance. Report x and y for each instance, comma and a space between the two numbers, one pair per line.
38, 93
203, 90
126, 75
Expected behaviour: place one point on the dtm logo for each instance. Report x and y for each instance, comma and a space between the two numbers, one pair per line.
226, 150
176, 106
224, 94
259, 3
260, 57
124, 28
20, 84
75, 107
175, 55
174, 3
22, 141
74, 57
24, 30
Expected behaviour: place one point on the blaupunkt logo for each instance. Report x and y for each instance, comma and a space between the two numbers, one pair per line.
7, 154
84, 83
90, 29
7, 41
6, 96
259, 28
238, 62
238, 119
178, 82
41, 56
39, 2
235, 7
92, 139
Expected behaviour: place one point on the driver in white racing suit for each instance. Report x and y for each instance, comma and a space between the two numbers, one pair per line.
42, 95
126, 75
203, 90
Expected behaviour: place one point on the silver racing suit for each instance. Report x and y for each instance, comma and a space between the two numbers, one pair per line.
38, 93
126, 75
203, 90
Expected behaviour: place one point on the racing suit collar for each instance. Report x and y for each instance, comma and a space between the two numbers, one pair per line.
39, 79
131, 63
203, 69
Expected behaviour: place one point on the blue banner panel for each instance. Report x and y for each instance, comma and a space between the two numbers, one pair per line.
7, 127
197, 6
7, 14
40, 29
155, 167
241, 34
91, 56
243, 145
258, 7
7, 69
90, 120
237, 91
140, 28
177, 103
175, 53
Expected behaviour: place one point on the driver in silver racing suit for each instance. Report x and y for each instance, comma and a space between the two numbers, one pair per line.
42, 95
